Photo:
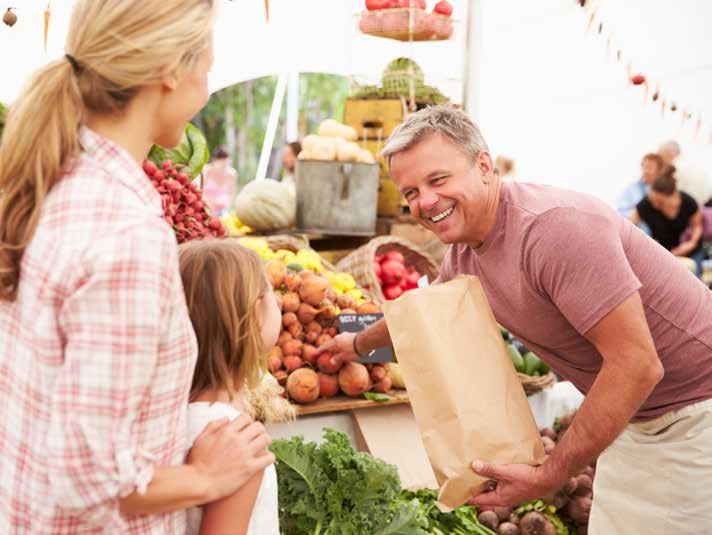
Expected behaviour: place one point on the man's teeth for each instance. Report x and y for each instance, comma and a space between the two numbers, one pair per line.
442, 215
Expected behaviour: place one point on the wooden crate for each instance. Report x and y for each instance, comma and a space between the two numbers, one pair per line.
389, 198
375, 146
372, 118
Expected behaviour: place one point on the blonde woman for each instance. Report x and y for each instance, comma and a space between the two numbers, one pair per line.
96, 345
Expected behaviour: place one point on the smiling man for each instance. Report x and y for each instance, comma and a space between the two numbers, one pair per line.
605, 306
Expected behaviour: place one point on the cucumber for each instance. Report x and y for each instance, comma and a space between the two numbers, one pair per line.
517, 359
531, 363
544, 368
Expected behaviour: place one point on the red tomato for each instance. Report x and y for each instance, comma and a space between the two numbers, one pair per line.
443, 7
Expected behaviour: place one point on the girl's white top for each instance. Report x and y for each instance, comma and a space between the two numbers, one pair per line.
265, 515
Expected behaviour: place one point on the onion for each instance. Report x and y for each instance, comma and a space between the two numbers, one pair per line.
313, 290
306, 313
276, 271
322, 339
290, 302
369, 308
311, 337
345, 301
296, 330
314, 327
292, 282
289, 318
284, 336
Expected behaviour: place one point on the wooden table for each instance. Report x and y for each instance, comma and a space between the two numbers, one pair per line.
343, 403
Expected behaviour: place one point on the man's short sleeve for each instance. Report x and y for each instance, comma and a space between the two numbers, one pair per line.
576, 259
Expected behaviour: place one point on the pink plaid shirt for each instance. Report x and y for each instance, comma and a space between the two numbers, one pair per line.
96, 356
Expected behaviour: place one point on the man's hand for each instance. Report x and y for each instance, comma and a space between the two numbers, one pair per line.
341, 348
516, 483
228, 454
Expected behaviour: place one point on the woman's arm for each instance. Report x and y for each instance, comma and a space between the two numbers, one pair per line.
233, 513
688, 246
635, 217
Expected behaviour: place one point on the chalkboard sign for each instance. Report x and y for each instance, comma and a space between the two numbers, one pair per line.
353, 323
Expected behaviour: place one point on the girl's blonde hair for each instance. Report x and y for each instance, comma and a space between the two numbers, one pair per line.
223, 282
118, 47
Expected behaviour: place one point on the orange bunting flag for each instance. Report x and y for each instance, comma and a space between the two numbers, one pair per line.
629, 70
645, 92
697, 127
664, 105
591, 18
267, 9
47, 16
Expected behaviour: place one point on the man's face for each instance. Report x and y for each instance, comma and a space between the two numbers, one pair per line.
650, 170
447, 192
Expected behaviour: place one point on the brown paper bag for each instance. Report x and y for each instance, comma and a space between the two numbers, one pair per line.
465, 394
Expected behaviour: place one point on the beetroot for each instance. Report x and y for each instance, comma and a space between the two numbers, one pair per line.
507, 528
354, 379
395, 255
328, 385
392, 272
536, 524
489, 519
579, 509
392, 291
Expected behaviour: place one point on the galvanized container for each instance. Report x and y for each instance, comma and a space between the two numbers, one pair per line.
338, 198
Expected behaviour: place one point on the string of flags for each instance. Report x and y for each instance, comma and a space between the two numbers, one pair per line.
653, 92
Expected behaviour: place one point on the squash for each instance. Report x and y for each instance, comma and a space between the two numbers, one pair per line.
333, 128
266, 205
347, 151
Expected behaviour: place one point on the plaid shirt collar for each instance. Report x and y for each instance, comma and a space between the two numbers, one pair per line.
120, 165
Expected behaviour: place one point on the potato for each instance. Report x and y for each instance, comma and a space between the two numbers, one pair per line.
507, 528
303, 385
489, 519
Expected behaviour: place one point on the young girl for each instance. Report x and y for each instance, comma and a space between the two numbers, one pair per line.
236, 320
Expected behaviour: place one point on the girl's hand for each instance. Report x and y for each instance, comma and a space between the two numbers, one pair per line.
228, 454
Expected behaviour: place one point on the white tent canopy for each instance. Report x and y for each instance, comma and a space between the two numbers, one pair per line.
547, 95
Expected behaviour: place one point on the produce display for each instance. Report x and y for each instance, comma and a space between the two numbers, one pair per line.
394, 276
234, 226
334, 142
329, 488
3, 113
183, 206
190, 156
396, 82
392, 18
266, 205
310, 299
524, 361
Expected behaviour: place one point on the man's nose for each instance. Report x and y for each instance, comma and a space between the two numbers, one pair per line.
428, 200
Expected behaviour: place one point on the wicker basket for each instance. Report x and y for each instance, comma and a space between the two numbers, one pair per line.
533, 384
398, 24
287, 241
360, 262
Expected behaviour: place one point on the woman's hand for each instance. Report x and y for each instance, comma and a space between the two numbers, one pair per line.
228, 454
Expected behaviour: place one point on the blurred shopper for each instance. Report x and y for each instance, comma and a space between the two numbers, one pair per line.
690, 179
290, 153
220, 183
505, 167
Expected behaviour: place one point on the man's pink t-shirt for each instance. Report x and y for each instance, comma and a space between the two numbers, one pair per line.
557, 262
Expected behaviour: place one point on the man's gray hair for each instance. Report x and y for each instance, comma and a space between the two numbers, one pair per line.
448, 121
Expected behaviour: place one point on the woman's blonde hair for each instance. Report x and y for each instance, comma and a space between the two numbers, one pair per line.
114, 48
223, 282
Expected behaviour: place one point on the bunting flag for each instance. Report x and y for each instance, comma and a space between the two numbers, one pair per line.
651, 89
267, 9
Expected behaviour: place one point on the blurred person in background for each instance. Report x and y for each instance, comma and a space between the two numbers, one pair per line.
651, 165
690, 179
505, 167
220, 183
290, 153
669, 212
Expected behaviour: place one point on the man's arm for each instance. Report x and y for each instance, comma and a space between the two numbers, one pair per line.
342, 347
631, 369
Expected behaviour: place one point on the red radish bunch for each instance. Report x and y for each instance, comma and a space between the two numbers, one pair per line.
393, 274
443, 8
183, 206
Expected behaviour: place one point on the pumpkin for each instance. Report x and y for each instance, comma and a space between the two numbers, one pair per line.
266, 205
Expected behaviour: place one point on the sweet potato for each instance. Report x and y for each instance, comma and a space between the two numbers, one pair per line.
328, 385
354, 379
303, 385
489, 519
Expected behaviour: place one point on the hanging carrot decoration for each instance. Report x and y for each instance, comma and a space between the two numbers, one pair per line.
673, 107
656, 94
591, 18
47, 15
664, 106
267, 9
697, 127
629, 71
645, 92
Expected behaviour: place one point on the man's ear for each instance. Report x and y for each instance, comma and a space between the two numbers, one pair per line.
485, 166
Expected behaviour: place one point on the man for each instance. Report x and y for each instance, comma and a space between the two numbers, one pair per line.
220, 183
690, 179
601, 303
652, 166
